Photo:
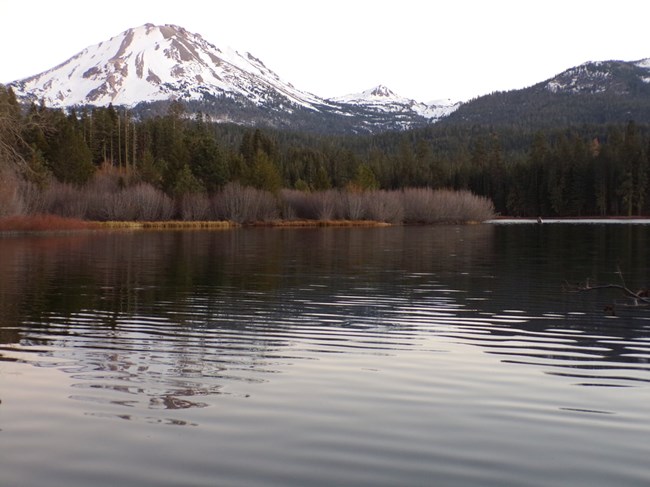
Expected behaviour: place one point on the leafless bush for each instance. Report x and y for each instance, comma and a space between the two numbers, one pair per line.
120, 206
153, 203
11, 200
242, 204
418, 205
64, 199
384, 206
33, 197
108, 195
469, 206
327, 204
287, 211
195, 207
354, 205
320, 205
99, 204
142, 202
296, 203
109, 178
425, 205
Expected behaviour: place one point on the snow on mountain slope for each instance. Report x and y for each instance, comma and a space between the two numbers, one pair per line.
151, 63
587, 77
644, 64
379, 95
613, 77
381, 98
158, 63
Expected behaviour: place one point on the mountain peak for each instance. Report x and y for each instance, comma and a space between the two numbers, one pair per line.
150, 65
379, 94
380, 91
159, 62
382, 99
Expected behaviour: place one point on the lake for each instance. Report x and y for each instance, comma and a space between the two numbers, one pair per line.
399, 356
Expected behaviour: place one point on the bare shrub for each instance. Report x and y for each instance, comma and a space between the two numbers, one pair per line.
424, 205
384, 206
111, 179
418, 205
11, 200
146, 203
64, 199
326, 204
465, 206
320, 205
33, 197
140, 202
195, 207
105, 195
120, 206
99, 204
243, 204
353, 205
154, 204
297, 203
287, 211
266, 207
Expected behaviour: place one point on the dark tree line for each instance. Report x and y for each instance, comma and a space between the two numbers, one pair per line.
577, 171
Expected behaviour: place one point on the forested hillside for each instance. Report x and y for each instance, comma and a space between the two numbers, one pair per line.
558, 171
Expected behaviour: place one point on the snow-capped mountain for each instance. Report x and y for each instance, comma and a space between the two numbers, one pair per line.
614, 77
382, 99
593, 93
152, 63
146, 67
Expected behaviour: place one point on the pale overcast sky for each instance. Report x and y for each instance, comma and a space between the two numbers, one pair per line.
421, 49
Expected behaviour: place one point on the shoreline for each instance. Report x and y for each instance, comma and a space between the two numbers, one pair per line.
53, 224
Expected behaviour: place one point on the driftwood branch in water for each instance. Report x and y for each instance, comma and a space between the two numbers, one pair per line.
628, 292
639, 298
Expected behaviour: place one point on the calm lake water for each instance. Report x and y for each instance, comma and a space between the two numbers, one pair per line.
406, 356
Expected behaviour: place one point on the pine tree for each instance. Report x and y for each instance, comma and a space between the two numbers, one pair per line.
365, 178
633, 185
264, 174
72, 161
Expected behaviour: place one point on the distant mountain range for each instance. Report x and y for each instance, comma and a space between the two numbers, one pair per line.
603, 92
147, 67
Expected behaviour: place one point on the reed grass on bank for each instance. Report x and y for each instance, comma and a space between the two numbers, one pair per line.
167, 225
320, 223
53, 223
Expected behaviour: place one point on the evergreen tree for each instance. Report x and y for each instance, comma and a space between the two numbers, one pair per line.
72, 159
207, 160
365, 178
12, 145
264, 174
633, 184
185, 182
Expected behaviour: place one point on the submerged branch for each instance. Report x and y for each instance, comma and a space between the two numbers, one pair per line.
639, 298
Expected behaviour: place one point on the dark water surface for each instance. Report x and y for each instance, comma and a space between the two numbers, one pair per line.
410, 356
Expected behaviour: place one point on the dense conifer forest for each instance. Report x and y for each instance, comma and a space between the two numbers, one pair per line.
586, 170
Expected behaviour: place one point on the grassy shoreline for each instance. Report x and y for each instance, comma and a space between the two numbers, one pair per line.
53, 223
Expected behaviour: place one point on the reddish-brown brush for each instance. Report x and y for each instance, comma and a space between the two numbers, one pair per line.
43, 223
